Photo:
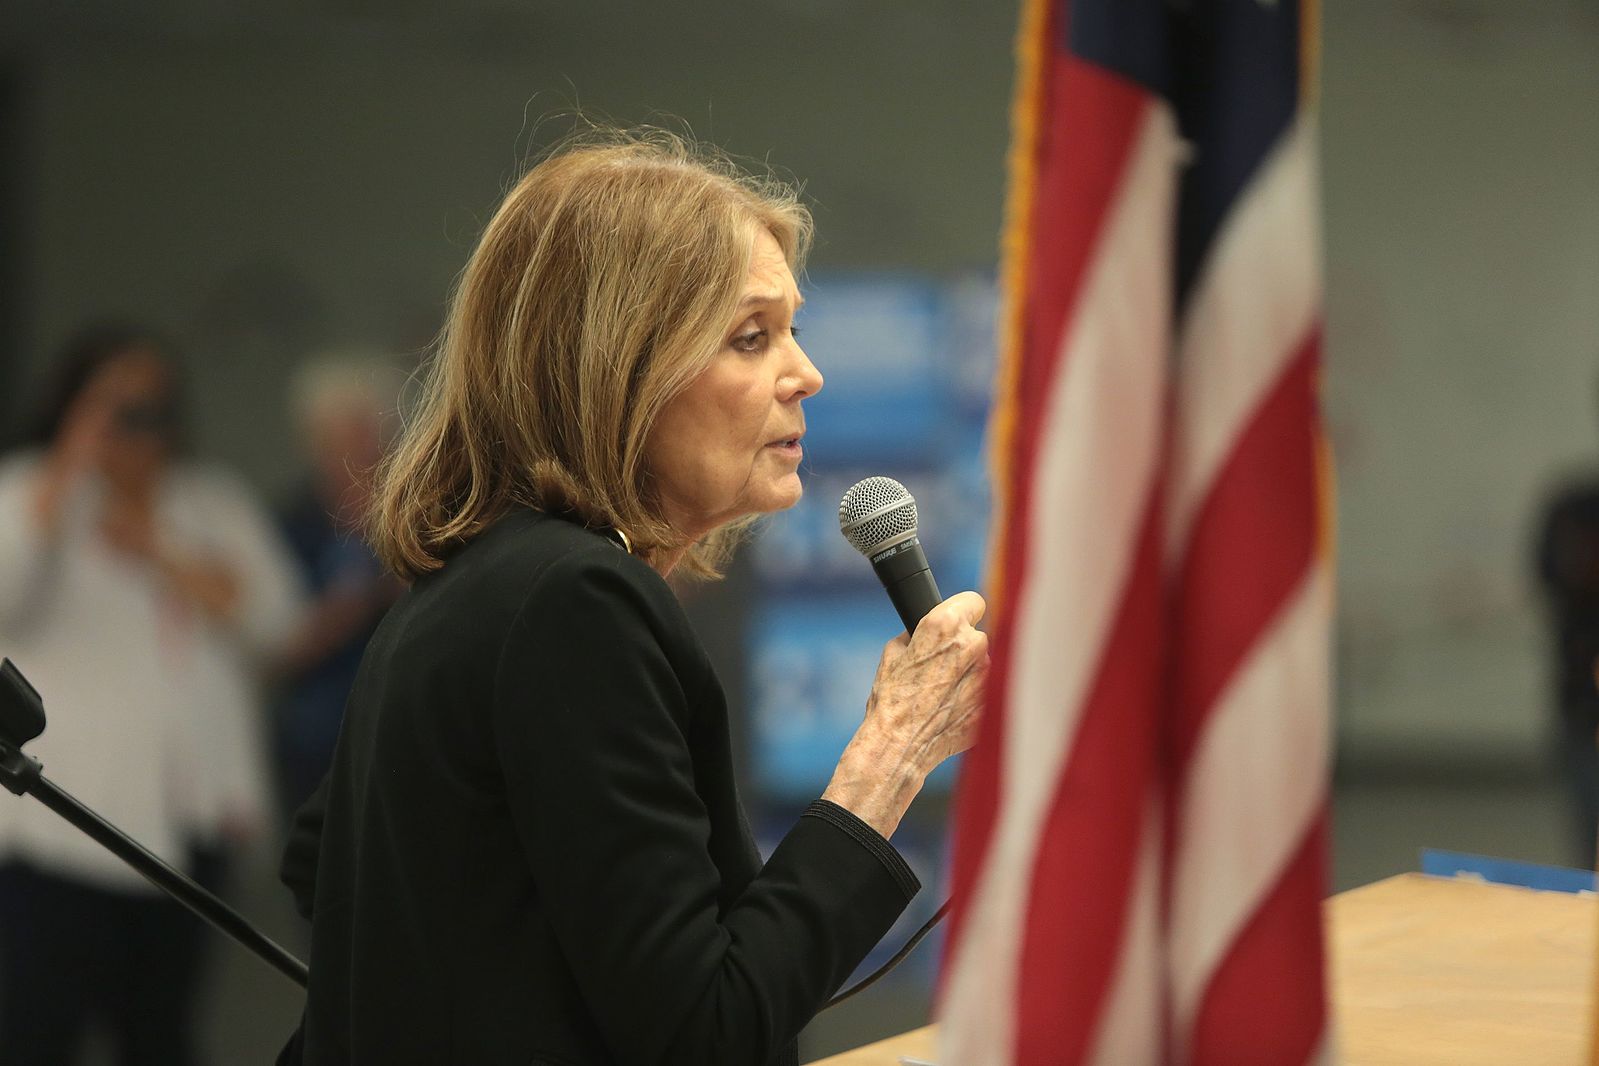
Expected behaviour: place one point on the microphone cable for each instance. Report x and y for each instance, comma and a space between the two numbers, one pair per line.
899, 957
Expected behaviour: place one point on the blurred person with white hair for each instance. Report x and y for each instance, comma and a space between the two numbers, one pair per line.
341, 401
141, 592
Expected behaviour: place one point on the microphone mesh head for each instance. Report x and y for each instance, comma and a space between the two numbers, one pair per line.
874, 512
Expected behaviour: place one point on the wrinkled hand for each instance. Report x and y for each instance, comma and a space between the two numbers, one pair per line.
928, 693
925, 705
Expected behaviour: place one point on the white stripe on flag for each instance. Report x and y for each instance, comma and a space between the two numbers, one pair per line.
1130, 1027
1257, 780
1098, 457
1253, 305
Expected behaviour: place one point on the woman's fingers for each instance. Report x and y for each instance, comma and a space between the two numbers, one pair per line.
968, 605
962, 609
974, 642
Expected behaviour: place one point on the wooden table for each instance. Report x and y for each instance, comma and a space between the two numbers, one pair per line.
1430, 971
917, 1044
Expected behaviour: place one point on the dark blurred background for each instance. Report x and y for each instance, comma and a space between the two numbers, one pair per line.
265, 182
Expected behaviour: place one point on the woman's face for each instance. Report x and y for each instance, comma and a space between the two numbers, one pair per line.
729, 445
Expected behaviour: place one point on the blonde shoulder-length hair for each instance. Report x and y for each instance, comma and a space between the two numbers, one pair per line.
601, 288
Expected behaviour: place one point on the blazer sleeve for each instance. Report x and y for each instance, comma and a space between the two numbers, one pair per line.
592, 727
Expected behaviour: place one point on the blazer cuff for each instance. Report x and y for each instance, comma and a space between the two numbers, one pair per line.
870, 839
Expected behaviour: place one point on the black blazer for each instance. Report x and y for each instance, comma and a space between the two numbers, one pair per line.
530, 847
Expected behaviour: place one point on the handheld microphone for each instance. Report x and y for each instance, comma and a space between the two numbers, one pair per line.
878, 517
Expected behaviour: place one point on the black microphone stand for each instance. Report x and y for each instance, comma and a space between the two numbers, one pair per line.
22, 719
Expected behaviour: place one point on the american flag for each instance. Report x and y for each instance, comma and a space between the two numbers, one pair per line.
1141, 828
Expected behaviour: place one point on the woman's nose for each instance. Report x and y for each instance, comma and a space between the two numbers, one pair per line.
803, 378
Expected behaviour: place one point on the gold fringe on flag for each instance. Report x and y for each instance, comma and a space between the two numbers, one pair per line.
1309, 54
1015, 247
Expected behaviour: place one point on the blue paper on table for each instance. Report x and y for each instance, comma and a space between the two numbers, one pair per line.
1506, 871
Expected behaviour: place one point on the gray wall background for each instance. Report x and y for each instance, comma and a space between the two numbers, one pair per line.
265, 186
1461, 172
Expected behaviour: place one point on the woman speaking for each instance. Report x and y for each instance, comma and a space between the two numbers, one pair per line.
530, 847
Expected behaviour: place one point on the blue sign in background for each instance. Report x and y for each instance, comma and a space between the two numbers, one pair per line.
876, 341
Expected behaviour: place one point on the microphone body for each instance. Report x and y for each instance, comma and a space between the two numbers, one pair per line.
908, 580
878, 517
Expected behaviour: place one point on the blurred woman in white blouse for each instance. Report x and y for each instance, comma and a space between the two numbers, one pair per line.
139, 592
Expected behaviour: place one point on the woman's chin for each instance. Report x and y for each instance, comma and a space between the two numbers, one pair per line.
771, 503
787, 492
778, 494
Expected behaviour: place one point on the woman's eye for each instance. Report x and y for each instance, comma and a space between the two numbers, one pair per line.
749, 342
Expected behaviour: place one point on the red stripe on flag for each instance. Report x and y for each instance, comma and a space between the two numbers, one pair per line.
1088, 849
1091, 120
1254, 1012
1251, 544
